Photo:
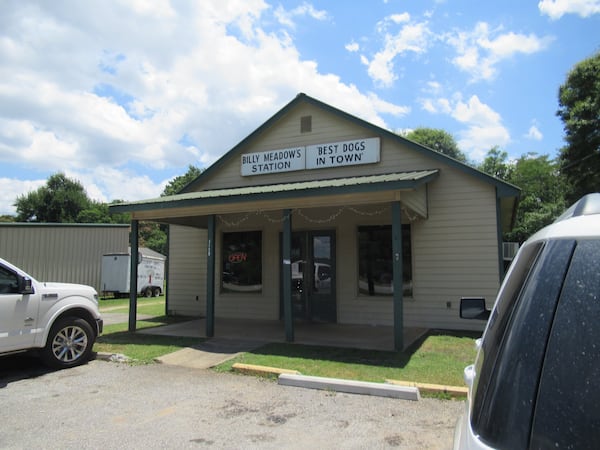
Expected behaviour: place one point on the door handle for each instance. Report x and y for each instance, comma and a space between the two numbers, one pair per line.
29, 319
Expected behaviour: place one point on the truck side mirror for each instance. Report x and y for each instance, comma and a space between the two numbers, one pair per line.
473, 308
25, 286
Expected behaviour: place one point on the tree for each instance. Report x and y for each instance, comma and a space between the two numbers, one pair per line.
495, 164
438, 140
97, 212
542, 196
59, 200
579, 100
178, 183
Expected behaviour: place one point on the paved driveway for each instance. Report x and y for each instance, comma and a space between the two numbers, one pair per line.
110, 405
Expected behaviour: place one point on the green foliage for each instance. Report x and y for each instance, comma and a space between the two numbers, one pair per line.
7, 218
60, 200
496, 164
438, 140
63, 200
579, 99
542, 189
542, 195
178, 183
153, 236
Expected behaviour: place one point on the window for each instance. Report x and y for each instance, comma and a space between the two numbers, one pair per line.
567, 413
9, 283
242, 262
375, 264
514, 345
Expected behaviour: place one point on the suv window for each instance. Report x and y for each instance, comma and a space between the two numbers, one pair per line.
513, 348
568, 408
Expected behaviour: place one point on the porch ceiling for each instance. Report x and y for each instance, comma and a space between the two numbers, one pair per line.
188, 208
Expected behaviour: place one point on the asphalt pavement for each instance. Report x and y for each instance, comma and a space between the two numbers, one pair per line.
114, 405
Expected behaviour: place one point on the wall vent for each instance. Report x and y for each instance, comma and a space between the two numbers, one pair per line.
305, 124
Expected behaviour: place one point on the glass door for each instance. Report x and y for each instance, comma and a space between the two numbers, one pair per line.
313, 275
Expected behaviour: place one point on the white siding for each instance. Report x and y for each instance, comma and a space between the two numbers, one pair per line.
187, 271
63, 253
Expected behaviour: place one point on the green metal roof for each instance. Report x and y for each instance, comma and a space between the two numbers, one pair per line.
368, 183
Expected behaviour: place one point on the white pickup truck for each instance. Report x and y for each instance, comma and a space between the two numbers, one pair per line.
60, 321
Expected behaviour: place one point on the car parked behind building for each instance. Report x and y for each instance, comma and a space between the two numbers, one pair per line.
534, 383
59, 320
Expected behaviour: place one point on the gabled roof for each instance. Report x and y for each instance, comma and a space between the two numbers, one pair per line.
503, 188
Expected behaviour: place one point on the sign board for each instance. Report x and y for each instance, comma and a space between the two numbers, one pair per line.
320, 156
273, 161
346, 153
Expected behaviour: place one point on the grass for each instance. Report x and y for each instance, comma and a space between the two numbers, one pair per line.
140, 348
440, 357
153, 306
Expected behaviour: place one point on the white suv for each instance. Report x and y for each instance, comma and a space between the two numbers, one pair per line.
535, 381
59, 320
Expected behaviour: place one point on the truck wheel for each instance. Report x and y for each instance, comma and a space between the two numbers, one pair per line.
156, 292
148, 292
69, 343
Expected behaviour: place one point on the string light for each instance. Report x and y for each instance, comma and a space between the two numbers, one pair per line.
263, 214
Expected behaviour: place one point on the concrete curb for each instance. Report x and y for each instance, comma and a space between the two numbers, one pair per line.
350, 386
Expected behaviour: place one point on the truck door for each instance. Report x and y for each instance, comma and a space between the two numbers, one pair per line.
18, 313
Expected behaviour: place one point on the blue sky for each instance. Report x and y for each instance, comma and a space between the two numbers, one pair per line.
123, 95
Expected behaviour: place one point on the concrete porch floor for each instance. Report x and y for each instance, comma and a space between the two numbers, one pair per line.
263, 331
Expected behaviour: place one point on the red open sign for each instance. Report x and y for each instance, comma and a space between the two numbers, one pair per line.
238, 257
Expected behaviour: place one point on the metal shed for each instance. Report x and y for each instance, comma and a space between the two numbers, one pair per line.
69, 253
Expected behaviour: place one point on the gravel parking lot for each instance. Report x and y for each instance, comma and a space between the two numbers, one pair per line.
111, 405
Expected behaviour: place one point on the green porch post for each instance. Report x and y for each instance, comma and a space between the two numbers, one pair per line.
287, 275
397, 263
133, 275
210, 279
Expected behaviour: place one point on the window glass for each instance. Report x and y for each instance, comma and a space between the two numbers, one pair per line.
568, 408
375, 264
242, 262
514, 349
9, 283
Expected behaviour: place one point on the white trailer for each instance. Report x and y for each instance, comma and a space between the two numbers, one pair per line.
116, 270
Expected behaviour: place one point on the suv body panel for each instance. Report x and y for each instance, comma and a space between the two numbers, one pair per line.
523, 391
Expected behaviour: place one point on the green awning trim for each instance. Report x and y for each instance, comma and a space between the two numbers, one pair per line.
368, 183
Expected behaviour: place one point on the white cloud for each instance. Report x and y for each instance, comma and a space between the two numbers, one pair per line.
352, 47
85, 92
555, 9
286, 17
411, 38
11, 188
484, 128
479, 51
534, 133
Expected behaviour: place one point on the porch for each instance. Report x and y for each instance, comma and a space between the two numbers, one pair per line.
308, 333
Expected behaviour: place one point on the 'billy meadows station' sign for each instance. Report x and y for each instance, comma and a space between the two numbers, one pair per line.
320, 156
